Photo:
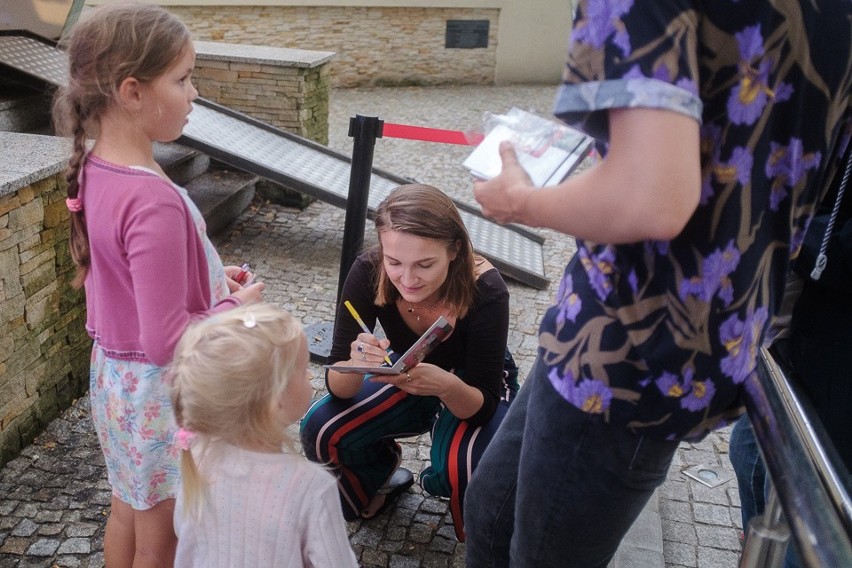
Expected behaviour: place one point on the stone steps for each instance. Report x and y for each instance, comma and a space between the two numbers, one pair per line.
221, 193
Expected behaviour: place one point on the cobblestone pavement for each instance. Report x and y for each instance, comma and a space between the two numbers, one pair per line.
54, 497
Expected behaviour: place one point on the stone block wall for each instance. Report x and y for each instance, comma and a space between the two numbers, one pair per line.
287, 88
375, 46
44, 348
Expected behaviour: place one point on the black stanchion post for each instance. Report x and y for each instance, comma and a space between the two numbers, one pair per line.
365, 130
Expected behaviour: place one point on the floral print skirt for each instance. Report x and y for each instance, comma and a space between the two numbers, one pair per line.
133, 418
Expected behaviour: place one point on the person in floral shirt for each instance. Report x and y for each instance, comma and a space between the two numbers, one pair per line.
718, 123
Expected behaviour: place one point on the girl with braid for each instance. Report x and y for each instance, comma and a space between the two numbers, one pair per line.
142, 254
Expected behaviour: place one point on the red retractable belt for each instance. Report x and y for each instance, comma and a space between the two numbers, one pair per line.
391, 130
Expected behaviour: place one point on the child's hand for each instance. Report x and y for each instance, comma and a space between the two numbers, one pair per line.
231, 275
250, 294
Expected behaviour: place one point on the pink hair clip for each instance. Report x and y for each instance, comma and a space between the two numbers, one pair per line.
74, 205
183, 439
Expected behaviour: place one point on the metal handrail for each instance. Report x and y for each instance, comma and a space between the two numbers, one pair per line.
812, 494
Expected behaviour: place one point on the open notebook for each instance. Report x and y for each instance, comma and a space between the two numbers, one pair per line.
422, 347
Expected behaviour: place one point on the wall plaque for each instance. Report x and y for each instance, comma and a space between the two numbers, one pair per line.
467, 34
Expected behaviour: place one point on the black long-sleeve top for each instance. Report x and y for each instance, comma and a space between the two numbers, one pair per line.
475, 351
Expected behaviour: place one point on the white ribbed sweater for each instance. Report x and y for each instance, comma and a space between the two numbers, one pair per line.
275, 510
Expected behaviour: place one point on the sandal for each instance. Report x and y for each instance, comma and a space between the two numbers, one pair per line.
401, 480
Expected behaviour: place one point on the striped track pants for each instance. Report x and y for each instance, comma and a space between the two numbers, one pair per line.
357, 438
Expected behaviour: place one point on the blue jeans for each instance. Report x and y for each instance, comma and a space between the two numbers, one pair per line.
749, 469
752, 480
558, 487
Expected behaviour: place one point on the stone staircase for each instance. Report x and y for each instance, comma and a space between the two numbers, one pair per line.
221, 193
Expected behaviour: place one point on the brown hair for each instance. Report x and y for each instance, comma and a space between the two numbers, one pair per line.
425, 211
113, 42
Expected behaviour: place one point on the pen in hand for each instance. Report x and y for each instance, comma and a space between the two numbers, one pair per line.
242, 278
363, 326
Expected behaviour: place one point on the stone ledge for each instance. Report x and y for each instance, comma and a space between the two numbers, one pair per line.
28, 158
261, 54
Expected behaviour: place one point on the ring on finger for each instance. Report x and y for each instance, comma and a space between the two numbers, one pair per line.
363, 356
407, 378
360, 347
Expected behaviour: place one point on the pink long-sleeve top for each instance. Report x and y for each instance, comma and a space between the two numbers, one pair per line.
148, 276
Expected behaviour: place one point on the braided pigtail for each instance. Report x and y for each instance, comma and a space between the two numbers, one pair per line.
79, 239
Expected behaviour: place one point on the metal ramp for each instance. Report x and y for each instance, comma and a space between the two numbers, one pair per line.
295, 162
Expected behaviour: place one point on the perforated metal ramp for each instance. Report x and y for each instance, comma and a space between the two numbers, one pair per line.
294, 162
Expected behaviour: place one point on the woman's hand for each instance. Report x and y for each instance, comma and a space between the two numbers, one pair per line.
368, 350
503, 197
423, 380
647, 187
426, 379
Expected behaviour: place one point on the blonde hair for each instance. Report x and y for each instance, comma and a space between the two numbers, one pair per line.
228, 377
425, 211
110, 44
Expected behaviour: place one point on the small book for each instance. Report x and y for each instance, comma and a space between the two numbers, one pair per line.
547, 149
436, 333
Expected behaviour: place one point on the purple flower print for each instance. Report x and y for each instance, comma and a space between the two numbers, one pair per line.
568, 301
694, 395
670, 385
751, 94
633, 280
699, 396
741, 339
688, 84
589, 396
738, 169
660, 248
593, 397
603, 21
713, 280
750, 42
786, 167
598, 267
661, 72
634, 72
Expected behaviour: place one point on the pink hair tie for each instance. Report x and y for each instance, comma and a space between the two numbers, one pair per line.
183, 438
74, 205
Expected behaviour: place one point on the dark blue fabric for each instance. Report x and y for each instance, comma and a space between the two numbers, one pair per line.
568, 495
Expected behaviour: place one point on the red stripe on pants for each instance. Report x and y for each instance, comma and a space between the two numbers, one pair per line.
348, 427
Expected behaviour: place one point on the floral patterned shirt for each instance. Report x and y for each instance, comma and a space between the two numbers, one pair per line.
661, 336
